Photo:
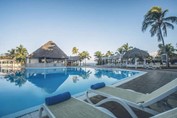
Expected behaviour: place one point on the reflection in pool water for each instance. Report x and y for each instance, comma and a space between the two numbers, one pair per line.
28, 88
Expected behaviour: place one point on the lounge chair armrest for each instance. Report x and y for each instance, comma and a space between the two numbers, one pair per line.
44, 108
119, 101
106, 111
88, 98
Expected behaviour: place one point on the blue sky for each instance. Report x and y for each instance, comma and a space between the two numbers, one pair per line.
90, 25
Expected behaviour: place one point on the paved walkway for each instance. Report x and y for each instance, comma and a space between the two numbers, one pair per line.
151, 81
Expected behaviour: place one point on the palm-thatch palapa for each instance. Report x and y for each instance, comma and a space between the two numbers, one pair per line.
136, 53
47, 53
49, 50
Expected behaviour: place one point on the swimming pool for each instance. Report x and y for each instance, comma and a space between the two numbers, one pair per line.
29, 88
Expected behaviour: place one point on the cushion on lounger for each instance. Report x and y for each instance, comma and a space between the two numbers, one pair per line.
98, 85
58, 98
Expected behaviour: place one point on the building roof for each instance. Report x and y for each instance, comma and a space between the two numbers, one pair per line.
135, 52
49, 50
6, 57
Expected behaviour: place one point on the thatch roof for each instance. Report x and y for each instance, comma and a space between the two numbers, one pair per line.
49, 50
135, 52
114, 57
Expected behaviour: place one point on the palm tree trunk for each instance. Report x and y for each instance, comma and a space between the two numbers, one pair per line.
85, 61
80, 62
164, 50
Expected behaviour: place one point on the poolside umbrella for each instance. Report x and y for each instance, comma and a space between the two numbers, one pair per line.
136, 53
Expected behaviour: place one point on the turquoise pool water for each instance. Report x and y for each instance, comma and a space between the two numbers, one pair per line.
28, 88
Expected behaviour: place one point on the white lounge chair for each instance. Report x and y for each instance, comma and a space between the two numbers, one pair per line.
73, 108
153, 66
132, 98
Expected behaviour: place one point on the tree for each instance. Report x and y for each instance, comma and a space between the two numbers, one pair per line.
21, 54
120, 50
84, 55
155, 18
98, 56
126, 48
123, 49
169, 50
12, 53
75, 50
108, 53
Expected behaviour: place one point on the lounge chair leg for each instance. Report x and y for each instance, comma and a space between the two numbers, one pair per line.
87, 97
40, 112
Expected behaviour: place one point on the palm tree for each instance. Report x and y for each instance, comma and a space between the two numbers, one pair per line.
108, 53
126, 47
155, 18
12, 53
98, 56
169, 50
120, 50
84, 55
75, 50
123, 49
21, 54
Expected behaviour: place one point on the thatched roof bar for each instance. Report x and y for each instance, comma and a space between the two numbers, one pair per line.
49, 50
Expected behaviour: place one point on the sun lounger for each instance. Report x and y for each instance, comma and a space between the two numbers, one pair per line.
65, 106
168, 114
132, 98
152, 66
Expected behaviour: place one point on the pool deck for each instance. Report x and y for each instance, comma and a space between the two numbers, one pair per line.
146, 83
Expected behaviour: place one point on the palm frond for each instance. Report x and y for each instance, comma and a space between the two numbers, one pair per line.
146, 25
152, 16
164, 13
154, 30
169, 25
172, 19
164, 29
160, 46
